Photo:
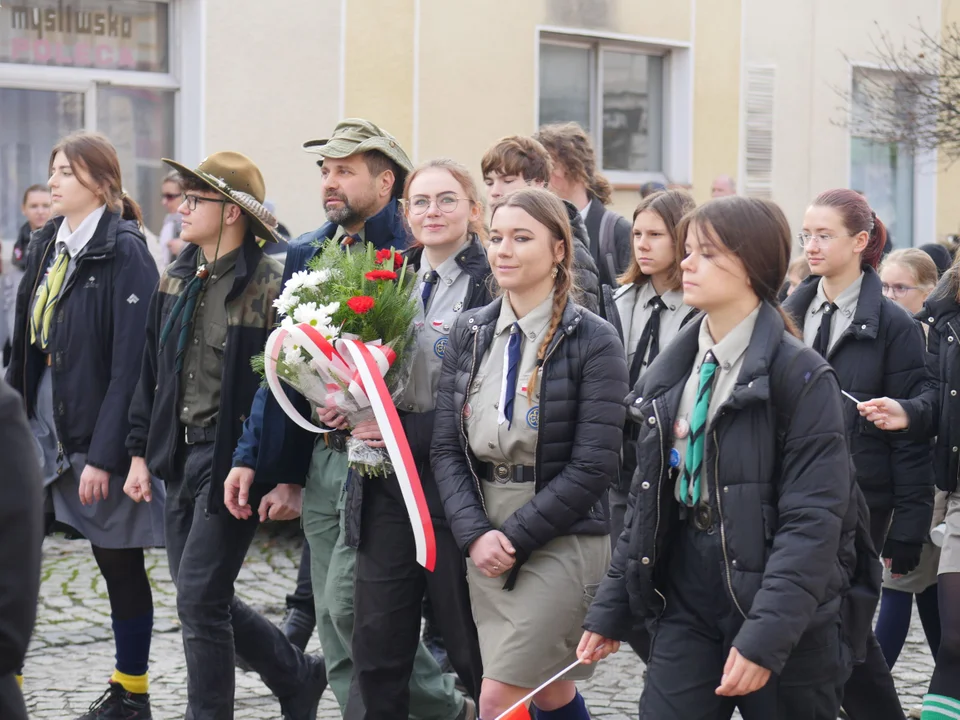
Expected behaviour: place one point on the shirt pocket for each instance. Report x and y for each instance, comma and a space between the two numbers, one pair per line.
526, 404
434, 338
215, 336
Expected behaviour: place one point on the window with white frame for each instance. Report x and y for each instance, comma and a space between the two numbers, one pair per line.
100, 65
884, 171
615, 91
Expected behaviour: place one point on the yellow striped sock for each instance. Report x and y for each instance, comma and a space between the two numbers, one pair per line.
19, 681
137, 684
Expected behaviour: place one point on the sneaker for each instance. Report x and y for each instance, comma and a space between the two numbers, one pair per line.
118, 704
298, 627
303, 705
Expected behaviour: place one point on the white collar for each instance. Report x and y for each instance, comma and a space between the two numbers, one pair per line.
77, 240
585, 209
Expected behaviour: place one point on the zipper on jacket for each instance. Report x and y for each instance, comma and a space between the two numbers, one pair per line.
656, 527
543, 397
463, 425
723, 531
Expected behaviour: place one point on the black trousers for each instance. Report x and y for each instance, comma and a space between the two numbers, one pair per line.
302, 597
388, 595
692, 640
206, 553
870, 693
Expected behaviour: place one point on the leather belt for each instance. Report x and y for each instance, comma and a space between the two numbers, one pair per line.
504, 473
199, 435
336, 440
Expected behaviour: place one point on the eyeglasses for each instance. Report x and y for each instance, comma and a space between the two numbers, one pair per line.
192, 200
897, 290
419, 204
170, 197
821, 239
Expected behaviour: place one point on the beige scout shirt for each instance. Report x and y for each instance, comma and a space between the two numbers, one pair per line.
203, 358
729, 354
432, 329
846, 303
490, 440
633, 304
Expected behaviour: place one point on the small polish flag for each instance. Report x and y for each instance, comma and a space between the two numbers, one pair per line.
437, 323
521, 712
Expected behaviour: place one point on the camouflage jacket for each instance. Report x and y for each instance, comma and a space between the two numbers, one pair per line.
249, 316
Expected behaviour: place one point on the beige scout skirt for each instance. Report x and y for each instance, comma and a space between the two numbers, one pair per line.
530, 633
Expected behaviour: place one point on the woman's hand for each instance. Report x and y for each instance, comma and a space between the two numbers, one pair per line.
885, 413
493, 554
137, 486
594, 647
369, 432
740, 676
332, 418
94, 485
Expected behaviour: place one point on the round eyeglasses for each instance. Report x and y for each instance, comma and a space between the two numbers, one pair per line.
419, 204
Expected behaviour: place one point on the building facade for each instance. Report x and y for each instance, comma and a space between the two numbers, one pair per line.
677, 92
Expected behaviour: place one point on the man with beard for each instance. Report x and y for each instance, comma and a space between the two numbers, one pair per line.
363, 170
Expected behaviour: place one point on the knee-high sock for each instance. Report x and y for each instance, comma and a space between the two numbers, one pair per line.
576, 709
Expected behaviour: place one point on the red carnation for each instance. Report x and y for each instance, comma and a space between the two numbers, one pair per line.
361, 304
397, 260
382, 255
381, 275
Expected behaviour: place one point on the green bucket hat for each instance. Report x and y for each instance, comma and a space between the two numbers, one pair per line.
235, 176
355, 135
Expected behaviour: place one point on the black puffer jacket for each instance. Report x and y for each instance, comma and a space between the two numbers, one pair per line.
585, 273
937, 410
583, 382
418, 427
881, 354
781, 490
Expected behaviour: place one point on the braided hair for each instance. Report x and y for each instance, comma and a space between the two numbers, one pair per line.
548, 210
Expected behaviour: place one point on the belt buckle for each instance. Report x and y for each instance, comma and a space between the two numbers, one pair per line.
186, 435
338, 442
502, 473
702, 517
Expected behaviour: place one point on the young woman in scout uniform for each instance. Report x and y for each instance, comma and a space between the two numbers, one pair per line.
908, 277
445, 214
527, 439
78, 343
740, 519
651, 308
876, 349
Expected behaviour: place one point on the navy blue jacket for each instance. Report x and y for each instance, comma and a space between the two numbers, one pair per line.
273, 445
96, 338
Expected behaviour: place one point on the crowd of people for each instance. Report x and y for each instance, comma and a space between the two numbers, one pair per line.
662, 431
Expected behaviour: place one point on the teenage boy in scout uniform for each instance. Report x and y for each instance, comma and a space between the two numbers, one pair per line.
212, 312
363, 169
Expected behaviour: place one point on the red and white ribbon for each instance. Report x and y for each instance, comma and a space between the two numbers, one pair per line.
362, 366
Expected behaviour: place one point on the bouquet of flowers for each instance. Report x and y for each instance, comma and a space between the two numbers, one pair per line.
344, 342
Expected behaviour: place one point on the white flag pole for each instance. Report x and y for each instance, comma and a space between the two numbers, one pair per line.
530, 695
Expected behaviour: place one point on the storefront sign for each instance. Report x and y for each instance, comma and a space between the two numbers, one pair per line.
122, 35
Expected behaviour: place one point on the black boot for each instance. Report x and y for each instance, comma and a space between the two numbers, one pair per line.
303, 705
118, 704
298, 627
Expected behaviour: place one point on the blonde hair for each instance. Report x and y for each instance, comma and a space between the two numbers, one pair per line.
800, 266
548, 210
462, 175
920, 265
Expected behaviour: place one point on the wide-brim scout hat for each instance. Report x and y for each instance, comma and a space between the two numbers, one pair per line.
234, 176
355, 135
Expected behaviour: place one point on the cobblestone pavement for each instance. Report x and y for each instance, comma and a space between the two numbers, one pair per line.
71, 655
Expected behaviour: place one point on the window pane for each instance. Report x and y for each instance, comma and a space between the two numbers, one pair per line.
884, 173
564, 85
140, 125
111, 34
632, 111
33, 122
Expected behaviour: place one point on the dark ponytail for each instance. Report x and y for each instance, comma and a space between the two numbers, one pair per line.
130, 210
